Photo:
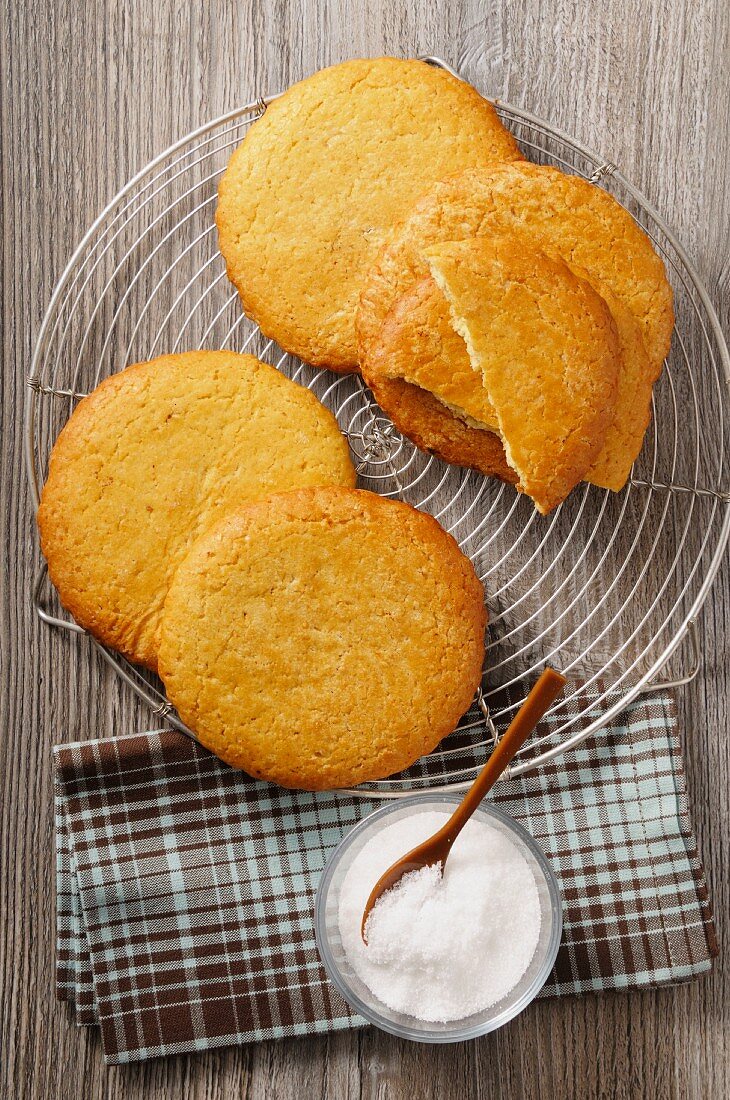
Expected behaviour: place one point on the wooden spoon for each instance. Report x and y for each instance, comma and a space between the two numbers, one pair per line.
436, 849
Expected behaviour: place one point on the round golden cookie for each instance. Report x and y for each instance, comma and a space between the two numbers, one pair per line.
416, 339
308, 198
541, 356
154, 456
563, 214
322, 638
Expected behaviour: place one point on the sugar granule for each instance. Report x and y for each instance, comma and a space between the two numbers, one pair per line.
441, 949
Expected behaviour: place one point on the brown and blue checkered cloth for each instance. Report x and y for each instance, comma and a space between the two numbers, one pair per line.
186, 889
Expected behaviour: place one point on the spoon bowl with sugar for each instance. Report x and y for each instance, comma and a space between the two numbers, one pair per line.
436, 849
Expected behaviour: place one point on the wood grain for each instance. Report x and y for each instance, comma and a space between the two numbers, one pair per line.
90, 91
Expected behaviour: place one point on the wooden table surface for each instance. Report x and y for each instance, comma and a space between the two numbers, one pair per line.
90, 92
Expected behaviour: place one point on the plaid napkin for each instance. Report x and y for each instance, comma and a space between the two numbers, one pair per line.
186, 889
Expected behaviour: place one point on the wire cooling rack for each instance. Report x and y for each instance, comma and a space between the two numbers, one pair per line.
605, 588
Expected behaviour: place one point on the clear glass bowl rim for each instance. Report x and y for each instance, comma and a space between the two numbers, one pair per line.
460, 1031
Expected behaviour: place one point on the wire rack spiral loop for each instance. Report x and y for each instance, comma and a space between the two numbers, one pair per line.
606, 588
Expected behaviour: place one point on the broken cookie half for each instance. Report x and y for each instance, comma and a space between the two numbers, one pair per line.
516, 347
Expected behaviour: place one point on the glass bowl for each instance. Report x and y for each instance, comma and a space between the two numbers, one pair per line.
357, 994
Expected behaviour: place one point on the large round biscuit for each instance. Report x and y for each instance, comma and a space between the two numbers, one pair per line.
322, 638
527, 343
564, 215
309, 197
417, 341
154, 456
546, 347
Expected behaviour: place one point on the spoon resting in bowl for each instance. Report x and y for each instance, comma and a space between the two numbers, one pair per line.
436, 849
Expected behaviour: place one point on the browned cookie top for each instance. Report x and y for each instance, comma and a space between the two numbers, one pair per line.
323, 638
310, 196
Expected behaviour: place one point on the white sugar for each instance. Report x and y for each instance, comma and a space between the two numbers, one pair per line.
439, 948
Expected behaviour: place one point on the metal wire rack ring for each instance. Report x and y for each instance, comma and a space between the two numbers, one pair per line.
606, 587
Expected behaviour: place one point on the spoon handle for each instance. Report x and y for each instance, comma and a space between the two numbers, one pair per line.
543, 694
